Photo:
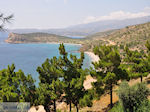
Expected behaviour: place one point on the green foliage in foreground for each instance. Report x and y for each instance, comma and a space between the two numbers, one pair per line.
50, 86
61, 79
132, 99
73, 79
144, 107
15, 86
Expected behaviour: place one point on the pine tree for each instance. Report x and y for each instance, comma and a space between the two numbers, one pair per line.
27, 88
79, 94
16, 86
138, 65
148, 56
9, 85
43, 96
73, 78
86, 100
107, 69
50, 77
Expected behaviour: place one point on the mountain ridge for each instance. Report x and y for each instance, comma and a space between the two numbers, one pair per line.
90, 28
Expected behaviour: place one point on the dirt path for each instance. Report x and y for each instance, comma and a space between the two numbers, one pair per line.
109, 41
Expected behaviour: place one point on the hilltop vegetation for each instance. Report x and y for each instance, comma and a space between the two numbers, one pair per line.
133, 36
38, 38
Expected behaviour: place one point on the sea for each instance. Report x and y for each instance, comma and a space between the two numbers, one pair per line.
28, 57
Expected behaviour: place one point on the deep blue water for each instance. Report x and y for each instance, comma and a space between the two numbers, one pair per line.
29, 56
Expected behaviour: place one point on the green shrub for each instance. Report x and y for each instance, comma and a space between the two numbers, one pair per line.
133, 98
117, 108
144, 107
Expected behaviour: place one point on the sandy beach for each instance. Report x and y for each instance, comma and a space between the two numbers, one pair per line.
94, 57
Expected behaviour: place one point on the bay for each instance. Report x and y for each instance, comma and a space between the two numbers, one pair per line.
28, 57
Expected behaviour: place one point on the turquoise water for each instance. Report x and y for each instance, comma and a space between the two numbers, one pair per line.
29, 56
76, 37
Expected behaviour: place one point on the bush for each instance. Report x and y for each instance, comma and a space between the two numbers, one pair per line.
144, 107
117, 108
134, 98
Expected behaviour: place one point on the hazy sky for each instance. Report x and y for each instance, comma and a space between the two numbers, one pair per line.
63, 13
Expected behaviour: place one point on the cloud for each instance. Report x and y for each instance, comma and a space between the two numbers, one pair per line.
118, 15
147, 9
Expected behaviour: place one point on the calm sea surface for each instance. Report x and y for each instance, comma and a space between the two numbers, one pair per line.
29, 56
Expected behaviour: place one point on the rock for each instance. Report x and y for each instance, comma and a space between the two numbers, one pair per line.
39, 108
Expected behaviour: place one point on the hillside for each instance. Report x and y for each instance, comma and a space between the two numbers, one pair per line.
134, 36
38, 38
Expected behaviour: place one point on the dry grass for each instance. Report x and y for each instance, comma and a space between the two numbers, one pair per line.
102, 105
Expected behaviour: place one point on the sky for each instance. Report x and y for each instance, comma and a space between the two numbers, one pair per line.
47, 14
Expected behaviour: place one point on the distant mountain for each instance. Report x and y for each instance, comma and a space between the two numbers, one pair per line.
101, 26
90, 28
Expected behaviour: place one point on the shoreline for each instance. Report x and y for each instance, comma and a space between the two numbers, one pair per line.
18, 42
94, 58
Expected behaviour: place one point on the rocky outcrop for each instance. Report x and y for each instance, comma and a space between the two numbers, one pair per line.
15, 38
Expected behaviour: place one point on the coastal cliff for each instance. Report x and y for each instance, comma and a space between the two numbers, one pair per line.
14, 38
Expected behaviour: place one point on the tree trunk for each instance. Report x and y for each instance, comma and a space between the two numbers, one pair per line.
77, 108
141, 79
54, 105
70, 106
111, 96
47, 108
